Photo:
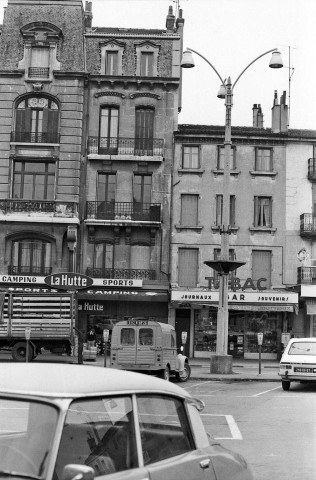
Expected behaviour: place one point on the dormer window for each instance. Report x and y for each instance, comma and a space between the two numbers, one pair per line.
111, 58
147, 59
39, 65
147, 64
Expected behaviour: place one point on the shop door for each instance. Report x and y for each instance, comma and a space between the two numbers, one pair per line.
145, 352
183, 325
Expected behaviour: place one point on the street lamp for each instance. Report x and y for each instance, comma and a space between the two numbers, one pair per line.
222, 362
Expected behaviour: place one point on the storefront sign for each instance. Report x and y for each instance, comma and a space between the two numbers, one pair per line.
269, 297
237, 284
21, 279
102, 282
308, 291
117, 282
68, 281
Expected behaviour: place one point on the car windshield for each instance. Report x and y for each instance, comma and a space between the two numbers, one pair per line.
303, 348
26, 434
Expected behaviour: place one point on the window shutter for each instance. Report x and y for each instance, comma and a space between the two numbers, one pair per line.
219, 210
20, 124
188, 267
256, 212
189, 210
261, 265
232, 220
140, 257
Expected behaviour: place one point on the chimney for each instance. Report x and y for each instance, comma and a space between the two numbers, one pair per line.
179, 21
88, 15
257, 116
279, 122
170, 21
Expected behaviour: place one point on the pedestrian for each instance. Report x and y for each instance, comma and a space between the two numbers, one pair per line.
91, 338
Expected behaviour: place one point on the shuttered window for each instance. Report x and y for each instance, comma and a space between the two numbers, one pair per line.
140, 257
261, 265
219, 210
147, 64
189, 210
111, 65
36, 120
221, 158
188, 267
144, 131
103, 255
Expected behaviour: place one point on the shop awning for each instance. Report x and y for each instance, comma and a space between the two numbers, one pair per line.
123, 295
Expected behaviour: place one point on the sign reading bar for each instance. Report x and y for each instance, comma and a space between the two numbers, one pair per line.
68, 281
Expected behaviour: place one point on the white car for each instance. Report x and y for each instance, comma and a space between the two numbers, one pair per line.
298, 362
69, 422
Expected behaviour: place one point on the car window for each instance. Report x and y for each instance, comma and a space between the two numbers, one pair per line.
165, 431
302, 348
146, 336
128, 336
99, 433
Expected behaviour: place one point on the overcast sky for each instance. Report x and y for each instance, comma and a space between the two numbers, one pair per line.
230, 34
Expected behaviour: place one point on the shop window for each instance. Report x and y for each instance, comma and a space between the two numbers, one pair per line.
221, 158
190, 157
36, 120
188, 267
263, 160
261, 265
31, 257
109, 127
33, 180
219, 210
263, 212
189, 210
205, 330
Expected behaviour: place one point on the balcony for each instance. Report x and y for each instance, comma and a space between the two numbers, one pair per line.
35, 137
308, 225
39, 207
30, 270
126, 146
124, 211
306, 275
121, 273
38, 72
311, 169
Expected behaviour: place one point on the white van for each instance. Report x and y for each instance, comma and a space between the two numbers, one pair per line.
298, 362
148, 346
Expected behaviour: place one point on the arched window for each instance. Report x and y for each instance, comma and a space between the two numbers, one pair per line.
36, 120
31, 257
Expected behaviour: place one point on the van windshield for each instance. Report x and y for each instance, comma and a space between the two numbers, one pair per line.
303, 348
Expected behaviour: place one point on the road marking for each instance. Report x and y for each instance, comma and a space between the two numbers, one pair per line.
266, 391
236, 434
198, 384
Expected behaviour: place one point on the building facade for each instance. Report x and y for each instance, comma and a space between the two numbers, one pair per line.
263, 293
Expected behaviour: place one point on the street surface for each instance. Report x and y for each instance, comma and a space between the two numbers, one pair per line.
274, 430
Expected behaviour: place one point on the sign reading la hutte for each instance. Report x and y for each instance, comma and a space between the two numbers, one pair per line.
68, 281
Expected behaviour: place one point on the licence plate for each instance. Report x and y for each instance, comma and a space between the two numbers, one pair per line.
304, 370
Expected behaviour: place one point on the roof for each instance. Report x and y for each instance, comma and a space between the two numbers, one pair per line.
73, 381
188, 129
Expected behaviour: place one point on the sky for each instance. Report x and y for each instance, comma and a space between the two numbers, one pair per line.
231, 34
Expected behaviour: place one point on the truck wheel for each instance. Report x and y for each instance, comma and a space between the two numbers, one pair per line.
286, 385
19, 352
165, 373
185, 374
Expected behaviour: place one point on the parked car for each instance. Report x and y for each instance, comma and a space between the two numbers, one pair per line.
298, 362
63, 421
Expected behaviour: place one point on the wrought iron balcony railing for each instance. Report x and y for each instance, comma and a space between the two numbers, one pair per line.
122, 211
29, 270
126, 146
307, 225
123, 273
38, 72
58, 209
35, 137
306, 275
312, 169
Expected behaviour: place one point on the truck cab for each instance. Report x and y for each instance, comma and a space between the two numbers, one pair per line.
147, 346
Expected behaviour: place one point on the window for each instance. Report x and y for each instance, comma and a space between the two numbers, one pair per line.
219, 210
221, 158
217, 256
189, 210
109, 124
261, 265
39, 66
263, 160
33, 180
190, 157
31, 257
36, 121
144, 131
263, 212
111, 64
188, 267
140, 257
106, 187
103, 257
146, 64
142, 189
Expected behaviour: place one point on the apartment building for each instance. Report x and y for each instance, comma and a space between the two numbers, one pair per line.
266, 168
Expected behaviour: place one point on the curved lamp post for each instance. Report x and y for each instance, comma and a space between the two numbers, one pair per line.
223, 362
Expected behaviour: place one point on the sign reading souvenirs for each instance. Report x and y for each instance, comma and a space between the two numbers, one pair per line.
68, 281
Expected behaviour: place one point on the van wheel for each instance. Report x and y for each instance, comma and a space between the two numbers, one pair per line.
19, 352
286, 385
185, 374
165, 373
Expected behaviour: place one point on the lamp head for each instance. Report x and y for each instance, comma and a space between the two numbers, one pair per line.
187, 59
276, 60
221, 92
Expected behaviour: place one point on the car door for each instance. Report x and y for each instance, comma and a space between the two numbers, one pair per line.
126, 351
168, 446
145, 352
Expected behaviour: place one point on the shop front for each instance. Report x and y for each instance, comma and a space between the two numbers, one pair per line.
271, 313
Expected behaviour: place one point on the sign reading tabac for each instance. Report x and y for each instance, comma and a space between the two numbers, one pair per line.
68, 281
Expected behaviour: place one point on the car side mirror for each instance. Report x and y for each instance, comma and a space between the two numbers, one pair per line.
78, 472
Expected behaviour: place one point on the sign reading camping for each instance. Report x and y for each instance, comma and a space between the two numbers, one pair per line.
68, 281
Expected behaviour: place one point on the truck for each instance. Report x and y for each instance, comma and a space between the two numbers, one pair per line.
30, 322
148, 346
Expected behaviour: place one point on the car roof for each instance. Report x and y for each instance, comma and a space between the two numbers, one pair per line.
73, 381
307, 339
